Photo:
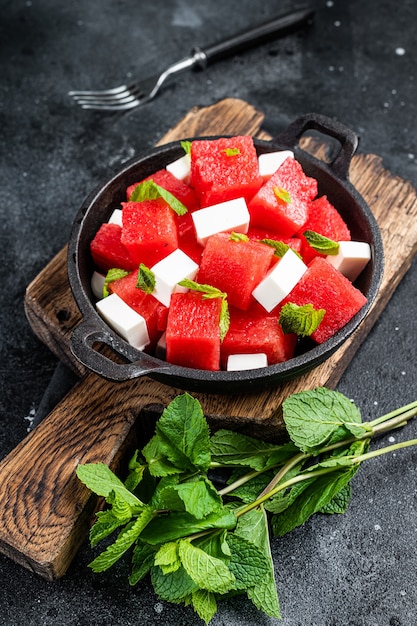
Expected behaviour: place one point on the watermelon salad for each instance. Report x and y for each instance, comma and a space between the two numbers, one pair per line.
226, 260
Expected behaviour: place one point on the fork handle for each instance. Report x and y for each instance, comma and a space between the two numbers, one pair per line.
242, 41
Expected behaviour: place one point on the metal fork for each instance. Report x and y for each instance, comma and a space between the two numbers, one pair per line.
127, 97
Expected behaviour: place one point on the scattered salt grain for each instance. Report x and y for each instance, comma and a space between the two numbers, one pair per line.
30, 418
159, 607
400, 51
338, 23
391, 439
377, 527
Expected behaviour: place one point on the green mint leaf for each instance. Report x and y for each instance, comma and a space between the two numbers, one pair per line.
302, 320
146, 279
120, 508
339, 503
161, 459
247, 563
125, 539
208, 572
280, 247
215, 544
254, 527
314, 494
136, 472
248, 490
282, 194
233, 448
224, 319
175, 587
311, 417
204, 604
149, 190
142, 562
207, 290
112, 275
231, 151
168, 558
200, 497
106, 523
102, 481
238, 237
320, 243
186, 145
175, 525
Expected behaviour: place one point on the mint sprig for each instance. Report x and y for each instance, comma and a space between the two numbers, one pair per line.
199, 542
280, 247
113, 274
149, 190
320, 243
146, 279
302, 320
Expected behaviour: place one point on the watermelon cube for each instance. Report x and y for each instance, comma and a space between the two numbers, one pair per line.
144, 304
326, 288
224, 169
323, 218
256, 331
149, 230
281, 204
108, 251
234, 267
193, 331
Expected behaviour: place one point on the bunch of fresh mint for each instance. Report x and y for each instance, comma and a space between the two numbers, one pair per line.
201, 542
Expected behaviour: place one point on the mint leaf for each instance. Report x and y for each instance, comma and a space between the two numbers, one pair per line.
224, 319
149, 190
102, 481
146, 279
208, 572
176, 525
204, 604
233, 448
302, 320
112, 275
280, 247
320, 243
175, 587
168, 558
238, 237
186, 145
282, 194
200, 497
142, 561
339, 502
231, 151
311, 417
105, 524
124, 541
247, 563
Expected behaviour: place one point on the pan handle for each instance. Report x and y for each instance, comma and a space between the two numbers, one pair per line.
314, 121
82, 344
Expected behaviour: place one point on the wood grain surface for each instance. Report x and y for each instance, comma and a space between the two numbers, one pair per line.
46, 512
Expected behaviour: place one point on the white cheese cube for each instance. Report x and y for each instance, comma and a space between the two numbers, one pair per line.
352, 258
279, 281
220, 218
181, 168
271, 161
97, 284
237, 362
123, 319
116, 217
170, 271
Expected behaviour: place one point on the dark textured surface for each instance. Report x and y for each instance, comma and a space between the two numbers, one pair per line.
356, 64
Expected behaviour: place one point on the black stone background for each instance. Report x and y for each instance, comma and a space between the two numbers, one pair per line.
357, 64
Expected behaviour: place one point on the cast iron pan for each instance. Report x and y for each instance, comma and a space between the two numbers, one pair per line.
130, 363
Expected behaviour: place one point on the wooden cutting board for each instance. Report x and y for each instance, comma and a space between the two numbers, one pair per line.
45, 512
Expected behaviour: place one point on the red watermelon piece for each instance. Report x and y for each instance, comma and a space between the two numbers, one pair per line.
108, 250
224, 169
255, 331
193, 331
326, 288
149, 230
325, 219
281, 204
144, 304
234, 267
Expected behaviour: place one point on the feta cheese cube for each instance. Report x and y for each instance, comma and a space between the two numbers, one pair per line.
124, 320
236, 362
116, 217
181, 168
352, 258
97, 284
169, 272
279, 281
220, 218
271, 161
